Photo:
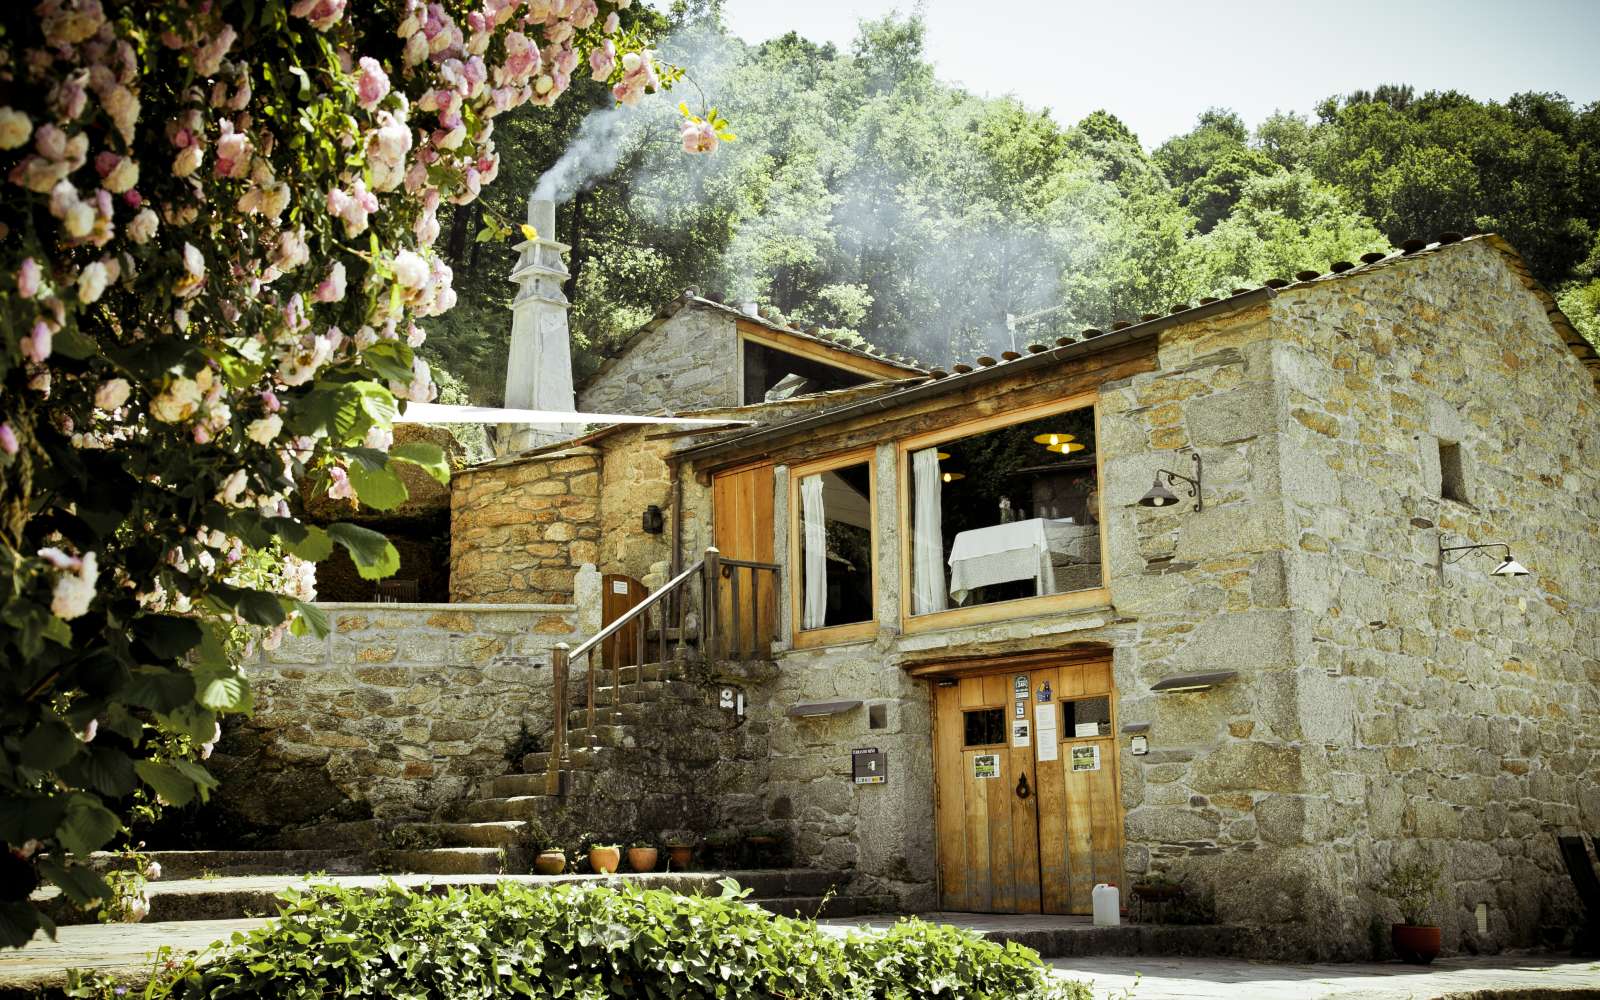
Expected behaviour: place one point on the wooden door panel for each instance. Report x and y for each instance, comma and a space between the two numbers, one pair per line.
742, 528
950, 794
1054, 870
621, 594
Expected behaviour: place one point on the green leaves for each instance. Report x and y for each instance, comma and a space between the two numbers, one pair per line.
50, 745
378, 488
391, 359
86, 825
430, 457
345, 410
374, 556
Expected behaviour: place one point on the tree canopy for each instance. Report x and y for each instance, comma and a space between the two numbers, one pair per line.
869, 200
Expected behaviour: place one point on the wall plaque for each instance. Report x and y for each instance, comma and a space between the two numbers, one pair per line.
986, 765
869, 766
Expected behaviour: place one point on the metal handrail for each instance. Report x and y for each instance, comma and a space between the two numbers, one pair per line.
711, 570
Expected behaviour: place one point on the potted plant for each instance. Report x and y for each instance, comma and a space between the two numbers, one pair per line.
642, 856
551, 860
678, 855
1411, 886
605, 858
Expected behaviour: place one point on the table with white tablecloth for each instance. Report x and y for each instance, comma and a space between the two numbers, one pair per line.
1002, 553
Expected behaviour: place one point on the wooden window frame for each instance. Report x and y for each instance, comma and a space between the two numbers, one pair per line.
999, 610
835, 634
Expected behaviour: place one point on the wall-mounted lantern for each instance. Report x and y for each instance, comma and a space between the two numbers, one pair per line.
1193, 682
1507, 566
654, 521
1161, 494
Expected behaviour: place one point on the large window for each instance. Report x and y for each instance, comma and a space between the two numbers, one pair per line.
1004, 511
832, 528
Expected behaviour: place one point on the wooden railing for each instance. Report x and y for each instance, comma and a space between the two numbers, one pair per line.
726, 631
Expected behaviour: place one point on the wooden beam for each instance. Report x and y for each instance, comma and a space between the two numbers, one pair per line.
824, 353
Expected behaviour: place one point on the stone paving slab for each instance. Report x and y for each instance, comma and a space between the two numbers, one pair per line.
1485, 977
119, 949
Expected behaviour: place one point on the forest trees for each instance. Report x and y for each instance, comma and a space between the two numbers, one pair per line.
867, 199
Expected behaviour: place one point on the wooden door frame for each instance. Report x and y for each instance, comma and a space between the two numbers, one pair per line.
956, 670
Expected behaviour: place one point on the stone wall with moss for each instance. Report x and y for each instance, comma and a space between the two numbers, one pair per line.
396, 712
1458, 719
521, 528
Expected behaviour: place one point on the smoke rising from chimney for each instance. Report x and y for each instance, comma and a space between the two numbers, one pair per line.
593, 152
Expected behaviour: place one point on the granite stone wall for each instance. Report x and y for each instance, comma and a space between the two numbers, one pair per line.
521, 528
1460, 716
690, 362
398, 710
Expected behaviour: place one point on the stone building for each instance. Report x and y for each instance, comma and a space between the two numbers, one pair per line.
1227, 596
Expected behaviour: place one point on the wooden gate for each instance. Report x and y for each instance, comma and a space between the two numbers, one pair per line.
1028, 812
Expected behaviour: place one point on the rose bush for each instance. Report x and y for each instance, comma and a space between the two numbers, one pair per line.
215, 248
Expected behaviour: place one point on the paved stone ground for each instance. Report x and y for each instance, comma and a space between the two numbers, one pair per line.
123, 949
1500, 977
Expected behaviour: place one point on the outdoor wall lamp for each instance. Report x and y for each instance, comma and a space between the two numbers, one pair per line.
653, 522
1161, 494
1193, 682
1508, 566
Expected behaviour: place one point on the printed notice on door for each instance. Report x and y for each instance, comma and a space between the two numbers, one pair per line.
986, 765
1019, 733
1085, 758
1044, 720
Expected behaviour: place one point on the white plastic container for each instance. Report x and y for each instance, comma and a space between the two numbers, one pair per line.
1107, 905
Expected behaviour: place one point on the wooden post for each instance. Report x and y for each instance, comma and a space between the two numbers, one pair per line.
712, 589
558, 735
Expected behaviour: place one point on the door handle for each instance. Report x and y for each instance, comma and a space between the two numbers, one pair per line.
1023, 791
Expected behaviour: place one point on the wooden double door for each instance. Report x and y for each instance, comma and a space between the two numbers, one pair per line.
1029, 817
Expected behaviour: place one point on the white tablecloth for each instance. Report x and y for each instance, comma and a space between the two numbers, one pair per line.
1001, 553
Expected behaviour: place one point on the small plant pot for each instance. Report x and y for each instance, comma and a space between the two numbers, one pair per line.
605, 860
678, 856
550, 863
642, 859
1414, 944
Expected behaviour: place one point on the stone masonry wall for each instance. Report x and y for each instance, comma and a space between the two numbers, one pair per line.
690, 362
1460, 721
1191, 592
521, 529
401, 708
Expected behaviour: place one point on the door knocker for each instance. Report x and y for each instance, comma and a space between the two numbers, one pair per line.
1023, 791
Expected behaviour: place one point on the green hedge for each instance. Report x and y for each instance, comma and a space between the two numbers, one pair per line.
589, 943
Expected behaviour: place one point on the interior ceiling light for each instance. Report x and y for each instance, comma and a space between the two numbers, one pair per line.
951, 477
1065, 447
1161, 495
1054, 438
1507, 567
942, 455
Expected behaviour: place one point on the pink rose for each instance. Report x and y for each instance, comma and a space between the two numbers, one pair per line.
28, 278
372, 85
602, 60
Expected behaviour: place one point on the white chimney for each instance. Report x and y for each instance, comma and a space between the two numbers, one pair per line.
539, 369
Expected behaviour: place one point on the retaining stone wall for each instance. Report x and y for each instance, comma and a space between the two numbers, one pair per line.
401, 708
520, 530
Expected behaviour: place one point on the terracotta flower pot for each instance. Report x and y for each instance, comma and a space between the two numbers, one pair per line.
550, 863
604, 860
678, 856
1415, 944
642, 859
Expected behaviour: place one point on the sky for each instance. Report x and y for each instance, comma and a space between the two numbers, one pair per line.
1157, 64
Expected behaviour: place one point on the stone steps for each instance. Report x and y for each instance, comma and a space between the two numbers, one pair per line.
470, 833
455, 860
791, 892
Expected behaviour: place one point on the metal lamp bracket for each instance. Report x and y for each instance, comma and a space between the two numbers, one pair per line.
1174, 478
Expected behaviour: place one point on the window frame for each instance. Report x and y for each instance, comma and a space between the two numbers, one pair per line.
804, 638
999, 610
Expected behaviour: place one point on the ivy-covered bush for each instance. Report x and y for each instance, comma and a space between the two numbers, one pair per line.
216, 230
591, 943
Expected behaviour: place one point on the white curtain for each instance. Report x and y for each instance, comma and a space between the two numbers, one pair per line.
927, 535
814, 552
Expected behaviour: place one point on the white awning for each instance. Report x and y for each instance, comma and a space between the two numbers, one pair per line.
443, 413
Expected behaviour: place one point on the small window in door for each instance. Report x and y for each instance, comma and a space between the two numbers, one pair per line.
985, 727
1086, 717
